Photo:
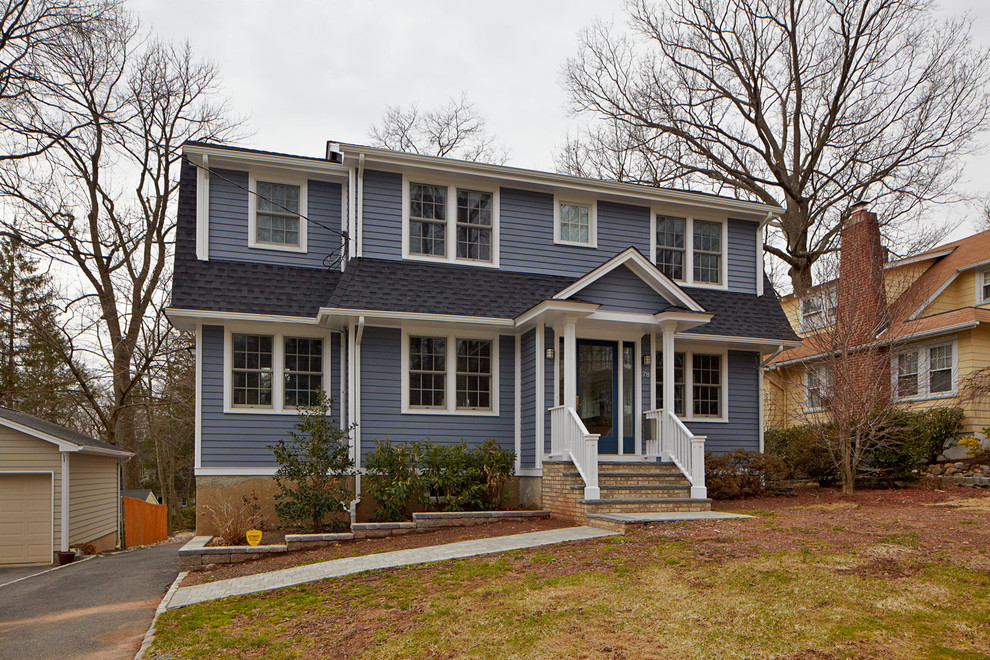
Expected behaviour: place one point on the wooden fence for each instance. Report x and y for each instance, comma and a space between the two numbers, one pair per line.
144, 522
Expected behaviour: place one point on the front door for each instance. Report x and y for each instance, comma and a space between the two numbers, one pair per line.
600, 401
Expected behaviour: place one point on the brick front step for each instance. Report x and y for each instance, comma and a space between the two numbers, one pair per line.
636, 478
650, 491
645, 504
637, 467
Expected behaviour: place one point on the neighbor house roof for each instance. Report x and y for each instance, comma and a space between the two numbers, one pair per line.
39, 428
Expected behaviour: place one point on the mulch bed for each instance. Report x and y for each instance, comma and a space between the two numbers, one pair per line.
370, 546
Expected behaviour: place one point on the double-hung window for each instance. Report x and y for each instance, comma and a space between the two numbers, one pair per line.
707, 251
925, 371
451, 223
690, 250
275, 372
671, 243
427, 220
450, 374
983, 287
474, 225
818, 387
575, 223
818, 310
277, 221
699, 384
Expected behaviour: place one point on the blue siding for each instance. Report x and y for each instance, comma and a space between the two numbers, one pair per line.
742, 431
527, 399
382, 230
242, 439
526, 234
623, 291
381, 400
742, 255
229, 222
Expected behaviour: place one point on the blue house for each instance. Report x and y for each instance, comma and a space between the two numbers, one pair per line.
607, 333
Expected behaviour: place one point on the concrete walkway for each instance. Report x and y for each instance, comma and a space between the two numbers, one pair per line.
339, 567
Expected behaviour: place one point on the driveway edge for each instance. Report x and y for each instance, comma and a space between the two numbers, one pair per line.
149, 636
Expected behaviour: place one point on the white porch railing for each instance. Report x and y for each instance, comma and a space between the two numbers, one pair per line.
569, 438
674, 442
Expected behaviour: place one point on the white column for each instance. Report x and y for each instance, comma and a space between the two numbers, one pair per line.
667, 328
570, 362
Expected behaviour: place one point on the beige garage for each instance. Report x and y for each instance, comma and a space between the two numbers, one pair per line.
58, 490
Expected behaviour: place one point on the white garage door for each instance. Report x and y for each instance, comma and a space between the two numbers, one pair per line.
25, 518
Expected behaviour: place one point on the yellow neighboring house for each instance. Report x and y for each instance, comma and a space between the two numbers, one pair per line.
936, 333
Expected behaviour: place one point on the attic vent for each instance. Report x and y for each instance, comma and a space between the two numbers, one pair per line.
334, 154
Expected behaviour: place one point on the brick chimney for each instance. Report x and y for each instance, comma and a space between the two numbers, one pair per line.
861, 297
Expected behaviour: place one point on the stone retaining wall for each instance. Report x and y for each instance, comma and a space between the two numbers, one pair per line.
196, 555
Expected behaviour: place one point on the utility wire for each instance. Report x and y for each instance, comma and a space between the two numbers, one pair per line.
331, 261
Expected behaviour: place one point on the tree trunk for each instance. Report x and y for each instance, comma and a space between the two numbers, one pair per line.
846, 466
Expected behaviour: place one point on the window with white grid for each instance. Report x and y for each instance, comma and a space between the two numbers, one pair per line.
671, 246
251, 373
707, 252
474, 225
818, 386
474, 374
940, 369
679, 383
303, 371
277, 214
907, 374
925, 371
574, 224
706, 385
427, 219
427, 372
983, 282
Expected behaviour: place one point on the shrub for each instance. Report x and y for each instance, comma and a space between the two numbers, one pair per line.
392, 477
232, 520
915, 440
803, 453
741, 473
450, 477
313, 468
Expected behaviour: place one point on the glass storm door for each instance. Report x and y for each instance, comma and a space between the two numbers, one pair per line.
598, 392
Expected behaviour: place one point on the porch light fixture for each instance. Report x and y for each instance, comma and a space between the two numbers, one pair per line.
647, 359
549, 353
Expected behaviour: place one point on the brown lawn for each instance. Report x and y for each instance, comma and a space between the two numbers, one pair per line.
881, 574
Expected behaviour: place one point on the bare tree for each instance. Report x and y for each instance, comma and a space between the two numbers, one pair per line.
809, 104
455, 130
30, 32
115, 108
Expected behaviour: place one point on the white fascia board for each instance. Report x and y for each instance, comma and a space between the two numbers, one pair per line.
728, 339
236, 472
930, 299
907, 261
119, 453
647, 272
227, 156
64, 446
553, 180
186, 319
557, 306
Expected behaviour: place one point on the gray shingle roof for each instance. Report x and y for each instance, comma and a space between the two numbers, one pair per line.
743, 314
54, 430
408, 286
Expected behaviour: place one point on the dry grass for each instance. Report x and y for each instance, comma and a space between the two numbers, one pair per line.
889, 577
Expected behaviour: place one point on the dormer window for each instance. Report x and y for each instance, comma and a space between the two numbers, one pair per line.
276, 217
448, 223
575, 223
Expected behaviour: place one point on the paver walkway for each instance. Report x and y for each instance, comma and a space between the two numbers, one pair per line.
350, 565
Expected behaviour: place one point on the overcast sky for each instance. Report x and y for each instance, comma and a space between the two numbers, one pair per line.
305, 71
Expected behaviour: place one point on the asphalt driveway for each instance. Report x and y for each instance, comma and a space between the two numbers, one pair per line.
100, 608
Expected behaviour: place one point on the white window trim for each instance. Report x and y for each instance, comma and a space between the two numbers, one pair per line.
451, 373
253, 178
452, 184
278, 367
688, 279
689, 353
980, 275
924, 371
591, 205
827, 384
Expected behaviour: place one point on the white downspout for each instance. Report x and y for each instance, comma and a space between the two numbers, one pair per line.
354, 401
359, 229
63, 541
